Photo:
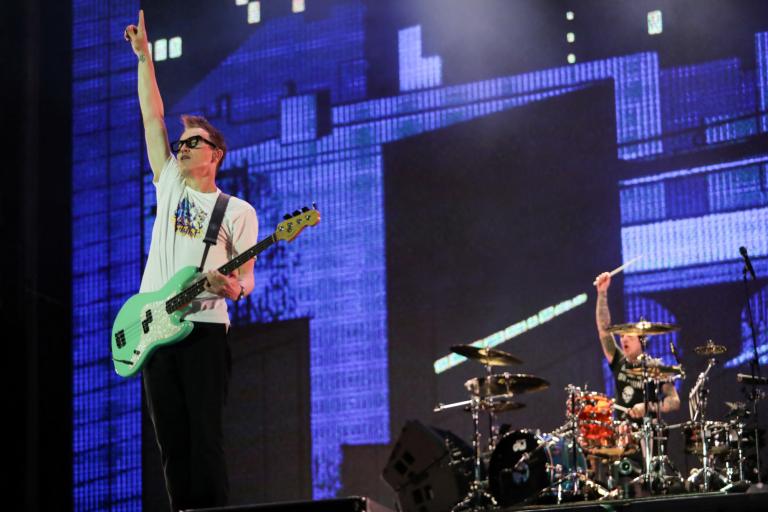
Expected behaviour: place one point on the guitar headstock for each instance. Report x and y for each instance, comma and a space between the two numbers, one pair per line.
295, 223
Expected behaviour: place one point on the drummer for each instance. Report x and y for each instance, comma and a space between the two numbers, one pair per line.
629, 387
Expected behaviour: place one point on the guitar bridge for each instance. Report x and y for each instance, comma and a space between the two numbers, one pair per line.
120, 339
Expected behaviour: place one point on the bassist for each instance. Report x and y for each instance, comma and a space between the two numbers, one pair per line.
186, 383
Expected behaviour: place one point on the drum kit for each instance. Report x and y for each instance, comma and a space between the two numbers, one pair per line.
599, 452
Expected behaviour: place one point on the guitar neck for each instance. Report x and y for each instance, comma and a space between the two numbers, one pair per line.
188, 294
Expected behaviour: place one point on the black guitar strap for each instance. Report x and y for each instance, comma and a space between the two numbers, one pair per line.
214, 225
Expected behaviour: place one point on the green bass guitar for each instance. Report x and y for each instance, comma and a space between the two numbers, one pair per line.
148, 321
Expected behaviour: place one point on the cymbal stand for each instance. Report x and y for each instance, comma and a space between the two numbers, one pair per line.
697, 404
647, 449
650, 460
478, 498
493, 434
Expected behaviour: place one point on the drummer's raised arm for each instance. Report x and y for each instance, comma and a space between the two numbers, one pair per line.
603, 316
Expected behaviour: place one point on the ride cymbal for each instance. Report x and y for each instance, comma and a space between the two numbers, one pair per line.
642, 328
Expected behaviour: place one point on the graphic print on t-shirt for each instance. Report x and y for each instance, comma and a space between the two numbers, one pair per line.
189, 218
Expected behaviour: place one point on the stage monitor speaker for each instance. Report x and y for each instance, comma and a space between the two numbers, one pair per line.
350, 504
429, 469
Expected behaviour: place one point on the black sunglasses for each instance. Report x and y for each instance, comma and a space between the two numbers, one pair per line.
192, 142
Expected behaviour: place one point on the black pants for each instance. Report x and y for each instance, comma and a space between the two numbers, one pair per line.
186, 388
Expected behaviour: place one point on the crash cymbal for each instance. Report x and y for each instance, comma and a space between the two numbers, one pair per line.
486, 356
710, 349
657, 371
507, 384
642, 328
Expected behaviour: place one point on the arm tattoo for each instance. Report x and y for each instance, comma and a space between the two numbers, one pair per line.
142, 58
602, 313
609, 344
603, 319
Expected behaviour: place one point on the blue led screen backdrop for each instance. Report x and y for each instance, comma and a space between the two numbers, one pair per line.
460, 195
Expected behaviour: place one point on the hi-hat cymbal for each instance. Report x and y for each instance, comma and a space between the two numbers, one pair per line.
486, 356
507, 384
501, 405
710, 349
642, 328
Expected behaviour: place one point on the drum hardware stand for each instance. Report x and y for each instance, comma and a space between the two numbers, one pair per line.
646, 476
493, 434
478, 498
651, 461
740, 484
697, 405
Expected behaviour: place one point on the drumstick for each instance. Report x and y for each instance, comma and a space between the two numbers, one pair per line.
619, 269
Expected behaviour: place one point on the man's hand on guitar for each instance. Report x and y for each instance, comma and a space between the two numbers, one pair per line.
221, 285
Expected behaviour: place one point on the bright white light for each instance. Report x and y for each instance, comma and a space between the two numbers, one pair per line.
655, 25
514, 330
254, 12
174, 47
241, 2
297, 6
569, 15
161, 50
570, 37
571, 58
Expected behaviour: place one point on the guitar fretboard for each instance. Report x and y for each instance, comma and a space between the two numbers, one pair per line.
188, 294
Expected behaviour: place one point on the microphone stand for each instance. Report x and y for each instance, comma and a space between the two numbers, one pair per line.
755, 368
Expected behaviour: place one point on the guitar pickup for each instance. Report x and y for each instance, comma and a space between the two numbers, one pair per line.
148, 320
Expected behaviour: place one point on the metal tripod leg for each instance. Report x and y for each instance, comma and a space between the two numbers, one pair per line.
477, 498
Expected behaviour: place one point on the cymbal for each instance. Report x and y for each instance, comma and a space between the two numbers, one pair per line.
710, 349
503, 405
505, 384
657, 371
486, 356
642, 328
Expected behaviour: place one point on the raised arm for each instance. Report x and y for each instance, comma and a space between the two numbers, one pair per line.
151, 102
603, 316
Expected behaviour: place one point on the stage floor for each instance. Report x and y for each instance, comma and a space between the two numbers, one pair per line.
693, 502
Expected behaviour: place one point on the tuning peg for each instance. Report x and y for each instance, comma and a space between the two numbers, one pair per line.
287, 216
296, 212
304, 209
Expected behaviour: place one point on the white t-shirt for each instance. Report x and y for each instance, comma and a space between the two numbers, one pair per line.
182, 221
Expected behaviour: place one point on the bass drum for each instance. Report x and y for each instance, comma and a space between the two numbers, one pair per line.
523, 466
